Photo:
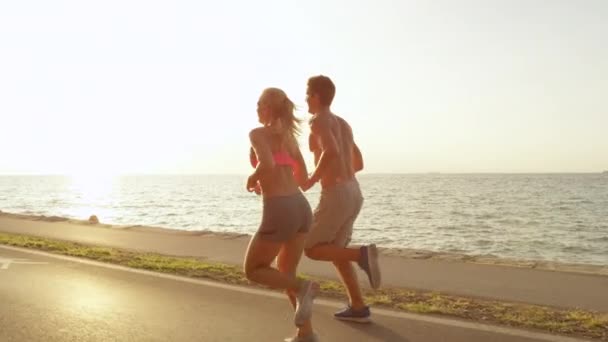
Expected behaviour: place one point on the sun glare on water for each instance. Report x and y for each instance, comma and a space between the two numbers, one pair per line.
94, 192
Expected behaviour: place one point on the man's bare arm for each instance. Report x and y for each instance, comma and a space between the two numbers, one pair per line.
357, 158
329, 147
312, 143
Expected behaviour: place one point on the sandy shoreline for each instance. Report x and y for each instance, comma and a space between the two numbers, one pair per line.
404, 253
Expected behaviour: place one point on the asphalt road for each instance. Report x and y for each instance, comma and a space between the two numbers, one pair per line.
53, 298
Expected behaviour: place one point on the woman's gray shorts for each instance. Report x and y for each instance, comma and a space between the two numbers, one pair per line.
284, 216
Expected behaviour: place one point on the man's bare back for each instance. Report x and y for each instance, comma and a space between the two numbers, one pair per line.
332, 135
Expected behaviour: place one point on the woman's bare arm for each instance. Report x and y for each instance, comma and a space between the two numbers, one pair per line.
301, 172
262, 151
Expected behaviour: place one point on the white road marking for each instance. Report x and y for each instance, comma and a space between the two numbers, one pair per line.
6, 262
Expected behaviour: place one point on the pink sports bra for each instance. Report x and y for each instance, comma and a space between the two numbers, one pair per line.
280, 158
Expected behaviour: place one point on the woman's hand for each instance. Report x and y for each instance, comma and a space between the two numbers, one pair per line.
253, 185
257, 189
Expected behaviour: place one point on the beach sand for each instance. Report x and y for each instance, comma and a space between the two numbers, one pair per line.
538, 282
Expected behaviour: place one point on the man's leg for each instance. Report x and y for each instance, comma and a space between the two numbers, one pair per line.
357, 311
332, 230
336, 213
349, 279
344, 266
342, 258
333, 253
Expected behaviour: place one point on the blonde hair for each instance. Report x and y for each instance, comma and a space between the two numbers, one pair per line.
282, 120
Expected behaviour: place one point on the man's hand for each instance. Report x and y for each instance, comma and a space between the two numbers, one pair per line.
309, 184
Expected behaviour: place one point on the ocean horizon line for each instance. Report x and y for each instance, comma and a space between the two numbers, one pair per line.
246, 174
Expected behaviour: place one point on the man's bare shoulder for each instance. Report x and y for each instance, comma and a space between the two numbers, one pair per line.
343, 123
319, 119
320, 122
341, 120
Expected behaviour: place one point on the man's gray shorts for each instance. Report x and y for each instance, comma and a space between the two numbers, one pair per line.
335, 215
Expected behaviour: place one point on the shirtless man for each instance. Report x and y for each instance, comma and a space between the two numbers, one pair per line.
337, 158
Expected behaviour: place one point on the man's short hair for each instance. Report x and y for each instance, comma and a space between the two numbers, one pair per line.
324, 87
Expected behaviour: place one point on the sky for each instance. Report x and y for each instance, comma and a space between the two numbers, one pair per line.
113, 87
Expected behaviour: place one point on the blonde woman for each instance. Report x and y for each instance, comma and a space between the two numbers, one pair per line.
279, 173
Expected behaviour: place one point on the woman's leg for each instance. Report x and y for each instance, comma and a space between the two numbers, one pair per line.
259, 257
287, 262
289, 258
